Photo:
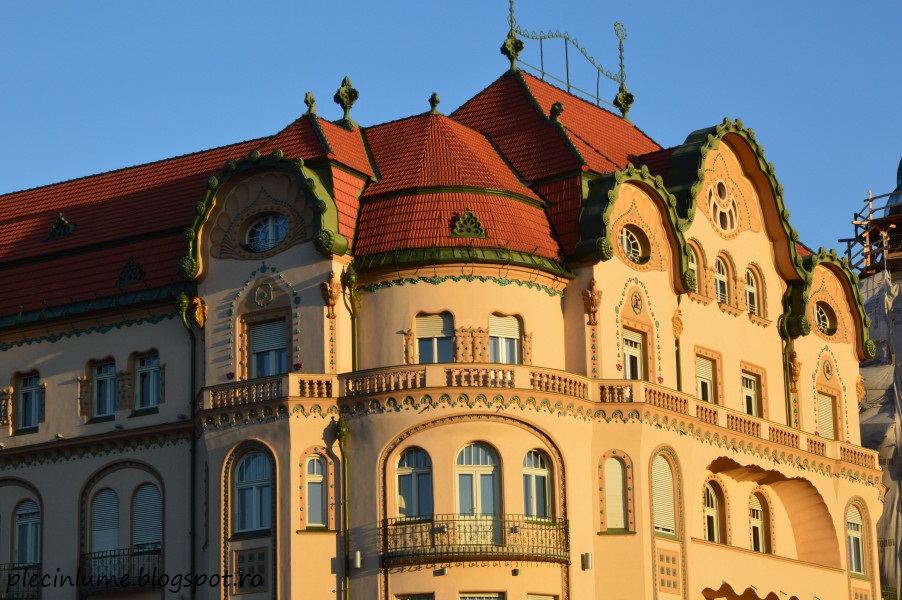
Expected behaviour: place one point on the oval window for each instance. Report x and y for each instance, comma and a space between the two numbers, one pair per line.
266, 233
634, 244
825, 318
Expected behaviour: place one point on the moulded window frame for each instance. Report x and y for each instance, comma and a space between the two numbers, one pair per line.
714, 510
436, 340
634, 244
34, 533
627, 487
415, 473
150, 547
764, 537
322, 498
702, 275
722, 287
640, 353
110, 379
254, 319
256, 486
477, 470
268, 218
530, 475
500, 348
155, 373
36, 394
673, 493
857, 539
716, 359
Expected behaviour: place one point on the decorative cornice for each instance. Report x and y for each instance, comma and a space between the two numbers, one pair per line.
459, 254
443, 278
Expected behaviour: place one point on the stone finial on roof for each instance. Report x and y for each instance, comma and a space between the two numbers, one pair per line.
557, 109
310, 101
433, 102
61, 228
624, 100
511, 48
345, 97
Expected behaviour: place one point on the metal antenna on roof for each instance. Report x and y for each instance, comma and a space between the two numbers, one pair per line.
623, 100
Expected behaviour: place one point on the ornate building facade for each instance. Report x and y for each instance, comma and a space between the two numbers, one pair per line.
515, 352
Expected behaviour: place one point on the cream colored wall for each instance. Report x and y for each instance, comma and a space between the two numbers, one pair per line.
60, 363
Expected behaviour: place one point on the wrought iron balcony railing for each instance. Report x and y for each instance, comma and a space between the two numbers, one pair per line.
123, 570
17, 581
463, 537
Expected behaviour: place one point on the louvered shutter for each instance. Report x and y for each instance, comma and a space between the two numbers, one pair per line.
704, 368
432, 326
825, 416
267, 336
614, 494
632, 336
853, 516
147, 516
105, 521
506, 327
662, 490
755, 503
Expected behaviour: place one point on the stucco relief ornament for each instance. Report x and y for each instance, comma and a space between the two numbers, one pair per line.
263, 295
795, 367
331, 291
592, 300
677, 321
198, 311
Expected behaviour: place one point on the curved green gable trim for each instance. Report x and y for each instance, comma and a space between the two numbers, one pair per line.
595, 218
685, 179
841, 264
459, 254
326, 238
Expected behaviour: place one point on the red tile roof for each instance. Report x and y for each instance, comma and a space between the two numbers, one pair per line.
435, 151
423, 221
302, 138
347, 147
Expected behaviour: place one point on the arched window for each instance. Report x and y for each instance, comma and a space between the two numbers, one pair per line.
759, 521
662, 496
634, 243
414, 484
478, 481
317, 508
721, 281
504, 340
751, 293
105, 521
478, 495
536, 477
27, 545
147, 518
693, 267
715, 517
855, 538
615, 494
825, 318
435, 338
253, 489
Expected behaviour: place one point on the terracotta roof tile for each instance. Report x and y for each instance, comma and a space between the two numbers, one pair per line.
347, 147
301, 138
565, 201
435, 151
658, 162
423, 221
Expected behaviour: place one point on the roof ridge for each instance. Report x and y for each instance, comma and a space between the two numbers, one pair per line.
558, 126
570, 132
138, 166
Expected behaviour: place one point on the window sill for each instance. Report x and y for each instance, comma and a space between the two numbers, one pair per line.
667, 536
315, 530
729, 309
25, 430
701, 299
759, 320
859, 576
141, 412
102, 419
618, 532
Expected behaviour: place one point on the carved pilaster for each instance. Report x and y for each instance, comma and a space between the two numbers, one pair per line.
125, 391
85, 392
480, 345
410, 353
463, 345
5, 406
527, 348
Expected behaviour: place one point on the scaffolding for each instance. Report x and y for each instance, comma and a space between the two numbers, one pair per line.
877, 244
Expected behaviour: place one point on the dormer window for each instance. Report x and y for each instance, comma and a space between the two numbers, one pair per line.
634, 244
267, 232
825, 318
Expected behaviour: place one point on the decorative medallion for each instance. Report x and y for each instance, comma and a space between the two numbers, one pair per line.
263, 295
636, 302
131, 272
828, 369
468, 225
61, 228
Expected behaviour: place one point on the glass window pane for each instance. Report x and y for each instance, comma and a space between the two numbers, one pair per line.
445, 350
424, 494
244, 508
527, 495
425, 350
405, 491
487, 494
465, 493
541, 499
494, 349
315, 513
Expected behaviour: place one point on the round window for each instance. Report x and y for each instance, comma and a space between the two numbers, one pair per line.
634, 244
267, 233
825, 318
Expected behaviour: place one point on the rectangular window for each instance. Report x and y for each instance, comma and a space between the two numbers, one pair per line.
504, 340
704, 375
633, 354
31, 397
267, 349
825, 418
106, 390
149, 382
435, 338
751, 398
251, 572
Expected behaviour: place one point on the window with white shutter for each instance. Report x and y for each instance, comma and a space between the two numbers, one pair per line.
704, 375
615, 494
105, 521
27, 543
825, 416
633, 354
147, 518
435, 338
266, 348
504, 340
854, 527
662, 496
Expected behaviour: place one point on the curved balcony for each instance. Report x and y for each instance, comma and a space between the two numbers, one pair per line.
124, 570
464, 537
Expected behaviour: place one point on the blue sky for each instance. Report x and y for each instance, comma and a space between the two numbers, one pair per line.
91, 86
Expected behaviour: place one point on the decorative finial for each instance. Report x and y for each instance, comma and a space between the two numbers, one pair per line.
330, 290
345, 97
592, 300
433, 102
61, 228
511, 48
557, 109
624, 100
310, 101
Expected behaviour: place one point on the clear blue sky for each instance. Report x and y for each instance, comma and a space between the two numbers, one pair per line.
91, 86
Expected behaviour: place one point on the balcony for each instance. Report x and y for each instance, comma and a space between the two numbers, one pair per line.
560, 392
462, 537
123, 570
14, 581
